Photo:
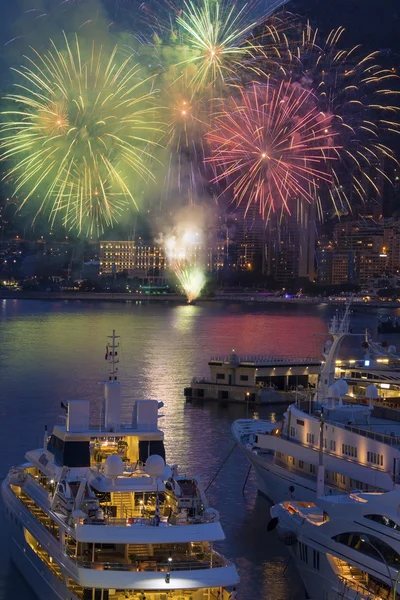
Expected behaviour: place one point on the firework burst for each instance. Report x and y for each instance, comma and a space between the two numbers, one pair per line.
79, 134
362, 97
271, 145
218, 34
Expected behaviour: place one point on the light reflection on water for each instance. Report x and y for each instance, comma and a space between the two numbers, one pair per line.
54, 351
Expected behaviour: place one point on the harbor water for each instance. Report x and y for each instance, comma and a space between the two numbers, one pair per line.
54, 351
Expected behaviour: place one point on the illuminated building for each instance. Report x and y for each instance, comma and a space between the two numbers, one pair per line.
290, 244
248, 236
342, 268
135, 258
367, 241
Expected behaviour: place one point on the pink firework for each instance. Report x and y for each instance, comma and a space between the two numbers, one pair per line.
271, 145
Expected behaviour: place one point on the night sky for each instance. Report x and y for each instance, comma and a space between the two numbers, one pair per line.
373, 23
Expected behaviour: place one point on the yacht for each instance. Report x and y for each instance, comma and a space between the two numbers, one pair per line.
346, 547
97, 514
357, 449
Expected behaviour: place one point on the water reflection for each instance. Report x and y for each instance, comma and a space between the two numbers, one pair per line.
52, 352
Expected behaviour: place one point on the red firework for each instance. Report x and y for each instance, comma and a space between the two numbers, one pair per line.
272, 145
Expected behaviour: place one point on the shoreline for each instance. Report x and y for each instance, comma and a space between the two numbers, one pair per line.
178, 299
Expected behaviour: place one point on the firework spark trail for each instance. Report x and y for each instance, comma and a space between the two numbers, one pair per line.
80, 134
358, 92
272, 145
182, 256
218, 33
191, 279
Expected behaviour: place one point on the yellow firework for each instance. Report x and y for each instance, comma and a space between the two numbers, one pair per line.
217, 33
78, 134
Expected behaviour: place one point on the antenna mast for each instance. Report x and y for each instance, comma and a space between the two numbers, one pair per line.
112, 355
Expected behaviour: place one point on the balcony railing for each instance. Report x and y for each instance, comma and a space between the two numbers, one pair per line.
214, 561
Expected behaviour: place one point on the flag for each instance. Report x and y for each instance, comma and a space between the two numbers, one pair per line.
106, 356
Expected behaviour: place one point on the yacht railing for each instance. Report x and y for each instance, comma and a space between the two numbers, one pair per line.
391, 440
357, 587
150, 521
210, 562
270, 360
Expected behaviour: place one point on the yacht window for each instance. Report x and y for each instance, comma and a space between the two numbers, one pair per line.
220, 376
354, 541
300, 422
244, 378
147, 448
316, 560
382, 520
301, 464
303, 552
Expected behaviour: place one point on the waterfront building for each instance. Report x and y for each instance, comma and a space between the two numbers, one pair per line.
137, 259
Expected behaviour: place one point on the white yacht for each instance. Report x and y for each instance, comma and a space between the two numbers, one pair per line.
358, 450
96, 514
346, 547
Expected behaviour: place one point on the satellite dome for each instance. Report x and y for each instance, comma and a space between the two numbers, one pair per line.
372, 392
113, 466
333, 391
167, 473
328, 343
392, 349
154, 466
343, 387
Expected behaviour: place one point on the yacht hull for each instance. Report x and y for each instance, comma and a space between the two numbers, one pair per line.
324, 585
278, 484
43, 582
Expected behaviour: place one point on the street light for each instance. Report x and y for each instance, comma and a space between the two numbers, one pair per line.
366, 540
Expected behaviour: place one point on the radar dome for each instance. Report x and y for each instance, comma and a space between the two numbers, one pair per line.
392, 349
343, 387
372, 392
334, 391
167, 473
155, 465
113, 466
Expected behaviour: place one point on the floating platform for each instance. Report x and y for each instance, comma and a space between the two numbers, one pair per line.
255, 379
